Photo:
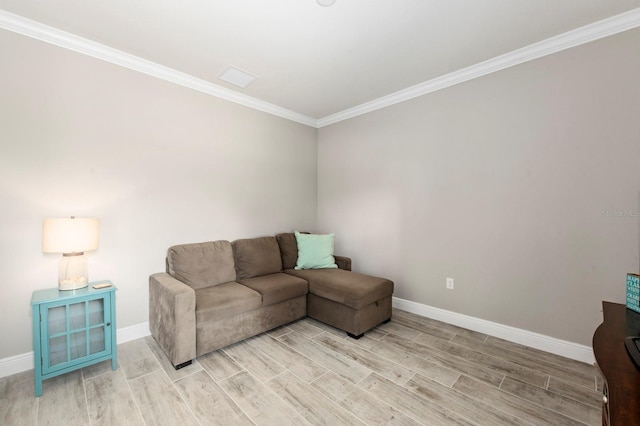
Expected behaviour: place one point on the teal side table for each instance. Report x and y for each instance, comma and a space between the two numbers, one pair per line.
73, 329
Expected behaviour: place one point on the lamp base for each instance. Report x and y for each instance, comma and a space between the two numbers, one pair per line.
73, 271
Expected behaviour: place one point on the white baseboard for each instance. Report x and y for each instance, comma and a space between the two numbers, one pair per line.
535, 340
133, 332
23, 362
16, 364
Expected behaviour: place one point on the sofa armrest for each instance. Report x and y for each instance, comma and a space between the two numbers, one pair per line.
343, 262
172, 317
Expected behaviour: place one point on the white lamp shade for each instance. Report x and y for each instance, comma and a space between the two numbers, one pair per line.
70, 235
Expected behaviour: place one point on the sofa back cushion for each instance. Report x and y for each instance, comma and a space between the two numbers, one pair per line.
288, 249
202, 265
256, 256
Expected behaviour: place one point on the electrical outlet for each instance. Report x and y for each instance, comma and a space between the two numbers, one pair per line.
450, 283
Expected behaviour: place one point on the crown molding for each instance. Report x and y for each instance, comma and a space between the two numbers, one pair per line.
42, 32
597, 30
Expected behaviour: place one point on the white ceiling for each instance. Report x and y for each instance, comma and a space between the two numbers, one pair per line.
318, 61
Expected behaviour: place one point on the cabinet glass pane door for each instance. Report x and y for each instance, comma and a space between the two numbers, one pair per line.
76, 331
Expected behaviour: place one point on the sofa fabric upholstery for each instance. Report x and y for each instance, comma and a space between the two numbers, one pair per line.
224, 300
276, 288
288, 249
172, 319
214, 335
218, 293
347, 288
354, 321
256, 256
202, 264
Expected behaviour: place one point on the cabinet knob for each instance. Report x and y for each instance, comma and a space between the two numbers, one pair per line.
108, 324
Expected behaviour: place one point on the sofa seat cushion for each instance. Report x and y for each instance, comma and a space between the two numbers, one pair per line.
276, 288
225, 300
348, 288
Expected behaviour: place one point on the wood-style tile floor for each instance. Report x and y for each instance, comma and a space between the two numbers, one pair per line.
410, 371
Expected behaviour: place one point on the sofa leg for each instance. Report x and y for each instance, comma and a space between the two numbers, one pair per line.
353, 336
183, 365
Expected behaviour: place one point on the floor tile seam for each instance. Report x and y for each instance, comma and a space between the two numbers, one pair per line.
133, 397
588, 404
223, 390
358, 387
449, 328
260, 351
345, 356
547, 366
86, 399
438, 353
264, 384
431, 404
302, 354
457, 395
531, 362
544, 358
310, 361
531, 401
455, 381
287, 403
224, 378
339, 357
527, 401
382, 358
549, 370
211, 377
186, 403
440, 364
523, 399
233, 375
310, 386
563, 396
426, 330
291, 348
188, 375
158, 365
278, 337
484, 363
99, 374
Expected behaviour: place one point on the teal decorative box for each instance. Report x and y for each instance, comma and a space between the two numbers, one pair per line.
633, 292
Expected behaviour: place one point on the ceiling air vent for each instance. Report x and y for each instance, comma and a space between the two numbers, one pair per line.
236, 76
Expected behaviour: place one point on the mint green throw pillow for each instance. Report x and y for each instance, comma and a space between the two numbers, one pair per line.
315, 251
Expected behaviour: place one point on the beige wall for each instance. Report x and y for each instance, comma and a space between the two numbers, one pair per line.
157, 163
504, 184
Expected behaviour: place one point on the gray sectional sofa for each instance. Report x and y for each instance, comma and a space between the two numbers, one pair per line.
217, 293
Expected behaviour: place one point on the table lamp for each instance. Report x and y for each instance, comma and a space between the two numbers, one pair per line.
71, 237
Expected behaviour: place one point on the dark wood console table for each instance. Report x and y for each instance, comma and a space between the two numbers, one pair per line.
621, 390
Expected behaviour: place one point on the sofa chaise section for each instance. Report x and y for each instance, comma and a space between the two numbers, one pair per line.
344, 299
